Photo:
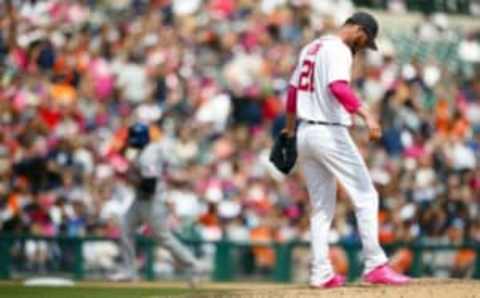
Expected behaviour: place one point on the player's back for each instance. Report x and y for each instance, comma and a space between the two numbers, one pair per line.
321, 62
151, 165
151, 159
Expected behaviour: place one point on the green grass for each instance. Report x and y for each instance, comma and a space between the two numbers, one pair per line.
18, 291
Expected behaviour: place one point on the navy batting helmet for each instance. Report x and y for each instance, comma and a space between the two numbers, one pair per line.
138, 135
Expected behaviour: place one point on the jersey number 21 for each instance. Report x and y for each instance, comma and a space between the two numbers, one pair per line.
306, 80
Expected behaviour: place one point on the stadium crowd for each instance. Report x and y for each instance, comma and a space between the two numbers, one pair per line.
209, 77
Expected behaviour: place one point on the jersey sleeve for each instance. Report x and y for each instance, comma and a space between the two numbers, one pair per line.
339, 63
345, 95
291, 105
295, 76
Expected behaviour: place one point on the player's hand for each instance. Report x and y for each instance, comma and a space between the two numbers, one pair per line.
374, 129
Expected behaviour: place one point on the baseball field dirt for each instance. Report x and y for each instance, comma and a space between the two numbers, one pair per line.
421, 288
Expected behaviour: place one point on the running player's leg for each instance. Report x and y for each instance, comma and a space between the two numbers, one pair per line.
129, 224
157, 219
346, 163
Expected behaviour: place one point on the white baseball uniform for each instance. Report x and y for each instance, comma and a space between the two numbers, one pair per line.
328, 153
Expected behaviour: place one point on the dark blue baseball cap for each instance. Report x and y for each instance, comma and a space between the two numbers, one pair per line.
138, 135
368, 24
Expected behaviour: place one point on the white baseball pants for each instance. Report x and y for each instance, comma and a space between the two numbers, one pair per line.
327, 154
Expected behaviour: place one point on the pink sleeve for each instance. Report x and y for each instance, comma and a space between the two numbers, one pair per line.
345, 95
292, 99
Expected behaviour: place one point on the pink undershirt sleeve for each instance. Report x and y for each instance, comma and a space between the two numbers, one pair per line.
345, 95
292, 99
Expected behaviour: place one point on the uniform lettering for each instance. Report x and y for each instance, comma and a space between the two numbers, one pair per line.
306, 80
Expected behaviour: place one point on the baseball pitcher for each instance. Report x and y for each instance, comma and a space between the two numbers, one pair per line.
147, 174
321, 100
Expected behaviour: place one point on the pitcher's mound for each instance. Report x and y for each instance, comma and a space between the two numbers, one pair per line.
419, 288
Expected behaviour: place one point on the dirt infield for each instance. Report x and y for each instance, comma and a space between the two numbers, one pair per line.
420, 288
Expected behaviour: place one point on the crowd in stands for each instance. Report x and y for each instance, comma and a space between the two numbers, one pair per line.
210, 77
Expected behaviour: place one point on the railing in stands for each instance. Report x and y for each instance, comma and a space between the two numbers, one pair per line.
225, 265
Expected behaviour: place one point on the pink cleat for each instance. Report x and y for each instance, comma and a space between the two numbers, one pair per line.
385, 275
336, 281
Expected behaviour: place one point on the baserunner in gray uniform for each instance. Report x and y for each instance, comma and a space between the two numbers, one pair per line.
147, 175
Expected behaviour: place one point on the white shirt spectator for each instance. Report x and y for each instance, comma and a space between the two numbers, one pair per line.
215, 111
185, 202
469, 50
462, 156
148, 112
132, 79
268, 6
182, 7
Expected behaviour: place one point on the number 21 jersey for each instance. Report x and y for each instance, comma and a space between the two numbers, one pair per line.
321, 62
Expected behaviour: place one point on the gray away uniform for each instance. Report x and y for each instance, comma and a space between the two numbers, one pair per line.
149, 206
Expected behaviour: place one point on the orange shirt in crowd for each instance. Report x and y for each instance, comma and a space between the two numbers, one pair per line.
209, 220
386, 234
63, 93
442, 121
460, 128
402, 260
61, 68
264, 255
339, 260
464, 258
13, 203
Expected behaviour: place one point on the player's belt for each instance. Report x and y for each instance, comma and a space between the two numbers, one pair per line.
323, 123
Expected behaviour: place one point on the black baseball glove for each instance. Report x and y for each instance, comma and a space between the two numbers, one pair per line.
284, 153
